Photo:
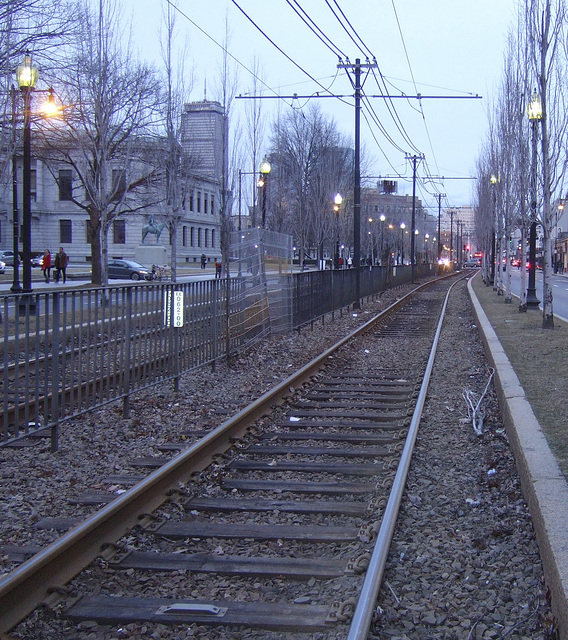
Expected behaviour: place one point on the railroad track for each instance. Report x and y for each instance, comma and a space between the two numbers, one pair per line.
278, 520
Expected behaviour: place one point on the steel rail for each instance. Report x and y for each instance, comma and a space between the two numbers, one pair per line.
22, 590
366, 602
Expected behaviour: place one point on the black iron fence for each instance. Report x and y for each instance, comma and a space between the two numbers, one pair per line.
315, 293
69, 351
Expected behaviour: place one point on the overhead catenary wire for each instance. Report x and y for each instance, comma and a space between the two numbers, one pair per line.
265, 35
373, 120
353, 34
218, 44
413, 81
303, 15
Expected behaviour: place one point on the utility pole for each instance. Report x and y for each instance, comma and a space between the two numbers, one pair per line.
439, 197
413, 224
452, 237
357, 86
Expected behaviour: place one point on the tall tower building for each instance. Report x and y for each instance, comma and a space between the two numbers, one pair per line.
204, 135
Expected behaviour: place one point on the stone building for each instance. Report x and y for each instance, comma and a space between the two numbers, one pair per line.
57, 221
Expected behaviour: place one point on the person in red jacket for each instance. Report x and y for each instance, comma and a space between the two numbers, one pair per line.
46, 264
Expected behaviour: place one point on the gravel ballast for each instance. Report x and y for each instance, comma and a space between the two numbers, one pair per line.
464, 562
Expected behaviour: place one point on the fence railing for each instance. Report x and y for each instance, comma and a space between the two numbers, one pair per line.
69, 351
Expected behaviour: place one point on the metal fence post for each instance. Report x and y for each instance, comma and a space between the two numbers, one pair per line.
127, 342
55, 375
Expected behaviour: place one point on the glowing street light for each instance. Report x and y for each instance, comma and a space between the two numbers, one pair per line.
264, 172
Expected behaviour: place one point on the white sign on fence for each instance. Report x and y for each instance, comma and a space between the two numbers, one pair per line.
173, 308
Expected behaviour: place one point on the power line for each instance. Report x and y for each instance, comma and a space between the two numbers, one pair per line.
315, 29
245, 14
225, 50
364, 50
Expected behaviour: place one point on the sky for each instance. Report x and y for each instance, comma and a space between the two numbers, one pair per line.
429, 47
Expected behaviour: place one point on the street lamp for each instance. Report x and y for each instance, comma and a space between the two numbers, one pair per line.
16, 286
402, 228
534, 112
382, 218
26, 75
337, 201
264, 171
371, 248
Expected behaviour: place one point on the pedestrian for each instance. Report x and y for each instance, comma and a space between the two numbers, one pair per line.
61, 262
46, 264
203, 260
218, 268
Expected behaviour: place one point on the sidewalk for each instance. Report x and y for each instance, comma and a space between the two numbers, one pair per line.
531, 378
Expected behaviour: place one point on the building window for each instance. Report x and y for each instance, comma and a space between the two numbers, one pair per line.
213, 238
199, 237
192, 237
204, 203
65, 182
199, 202
191, 200
184, 236
65, 232
118, 184
212, 205
119, 232
33, 184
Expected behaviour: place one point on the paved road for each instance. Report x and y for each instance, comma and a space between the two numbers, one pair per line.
559, 290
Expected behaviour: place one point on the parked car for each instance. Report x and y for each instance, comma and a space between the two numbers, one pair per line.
7, 257
128, 269
2, 267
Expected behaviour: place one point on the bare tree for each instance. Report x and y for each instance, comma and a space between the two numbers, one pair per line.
114, 100
35, 26
302, 145
176, 165
256, 131
227, 87
546, 34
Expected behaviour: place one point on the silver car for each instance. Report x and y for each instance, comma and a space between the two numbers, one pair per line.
7, 257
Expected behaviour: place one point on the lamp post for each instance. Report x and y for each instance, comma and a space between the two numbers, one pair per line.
264, 171
413, 249
16, 286
451, 238
402, 228
439, 197
534, 112
26, 74
382, 218
337, 201
371, 247
494, 180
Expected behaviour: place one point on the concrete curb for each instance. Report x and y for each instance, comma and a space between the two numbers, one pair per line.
544, 487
